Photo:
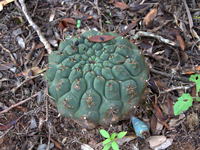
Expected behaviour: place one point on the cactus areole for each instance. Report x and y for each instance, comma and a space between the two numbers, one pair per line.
97, 82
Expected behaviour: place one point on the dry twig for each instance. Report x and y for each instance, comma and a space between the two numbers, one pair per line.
178, 88
7, 50
28, 79
6, 110
35, 27
170, 75
159, 38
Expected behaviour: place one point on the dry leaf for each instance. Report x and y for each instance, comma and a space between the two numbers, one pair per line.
181, 42
184, 57
145, 45
130, 27
38, 59
6, 66
4, 2
170, 107
150, 16
111, 1
191, 72
66, 22
153, 86
140, 8
121, 5
167, 15
79, 15
8, 125
193, 94
197, 68
35, 71
125, 139
86, 147
161, 86
39, 45
160, 116
28, 56
155, 141
153, 124
55, 142
69, 20
101, 38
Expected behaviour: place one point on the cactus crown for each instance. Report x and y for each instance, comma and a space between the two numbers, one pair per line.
96, 82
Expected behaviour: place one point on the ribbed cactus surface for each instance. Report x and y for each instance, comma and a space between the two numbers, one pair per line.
97, 82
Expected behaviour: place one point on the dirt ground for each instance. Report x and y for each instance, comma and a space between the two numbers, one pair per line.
166, 32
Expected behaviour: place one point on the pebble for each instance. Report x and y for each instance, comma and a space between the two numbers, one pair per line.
1, 75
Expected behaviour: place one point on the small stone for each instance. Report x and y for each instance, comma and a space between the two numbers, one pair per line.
13, 69
1, 75
156, 141
26, 92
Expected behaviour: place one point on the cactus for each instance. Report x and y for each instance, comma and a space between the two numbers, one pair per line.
97, 82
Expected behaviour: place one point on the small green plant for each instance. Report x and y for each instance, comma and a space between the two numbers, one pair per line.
185, 101
107, 21
111, 140
78, 23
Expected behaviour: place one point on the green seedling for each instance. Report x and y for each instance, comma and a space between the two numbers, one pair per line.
78, 23
111, 140
107, 21
186, 100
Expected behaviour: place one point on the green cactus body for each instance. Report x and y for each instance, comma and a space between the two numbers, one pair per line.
97, 82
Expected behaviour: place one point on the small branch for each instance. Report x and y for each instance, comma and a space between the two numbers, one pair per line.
159, 38
6, 110
169, 75
28, 79
12, 29
35, 27
7, 50
178, 88
99, 13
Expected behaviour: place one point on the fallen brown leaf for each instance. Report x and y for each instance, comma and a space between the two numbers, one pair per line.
140, 8
28, 56
191, 72
153, 124
55, 142
161, 86
38, 59
167, 15
66, 22
121, 5
193, 93
145, 45
160, 116
111, 1
197, 68
6, 66
35, 71
130, 27
8, 125
181, 42
39, 45
101, 38
184, 57
150, 16
4, 2
170, 107
79, 15
153, 86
